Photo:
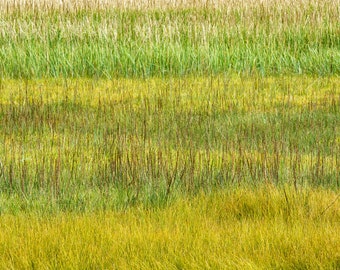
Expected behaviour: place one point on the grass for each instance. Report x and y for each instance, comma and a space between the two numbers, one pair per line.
235, 229
180, 135
83, 144
154, 40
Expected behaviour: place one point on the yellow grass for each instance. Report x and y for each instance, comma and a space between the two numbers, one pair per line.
289, 220
263, 229
191, 93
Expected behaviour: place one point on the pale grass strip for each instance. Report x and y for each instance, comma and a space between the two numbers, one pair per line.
72, 5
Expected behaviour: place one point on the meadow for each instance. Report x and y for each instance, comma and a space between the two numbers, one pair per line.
155, 39
79, 144
169, 135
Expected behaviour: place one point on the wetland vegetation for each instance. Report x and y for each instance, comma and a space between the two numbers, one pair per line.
172, 135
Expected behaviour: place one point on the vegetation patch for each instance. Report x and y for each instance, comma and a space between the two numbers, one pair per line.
169, 134
94, 144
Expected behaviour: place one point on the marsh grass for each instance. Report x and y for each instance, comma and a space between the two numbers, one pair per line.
231, 229
109, 41
169, 134
95, 144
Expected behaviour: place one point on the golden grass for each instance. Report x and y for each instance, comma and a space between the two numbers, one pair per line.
193, 93
240, 229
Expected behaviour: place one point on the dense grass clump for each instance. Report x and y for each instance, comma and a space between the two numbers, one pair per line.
238, 229
274, 37
85, 144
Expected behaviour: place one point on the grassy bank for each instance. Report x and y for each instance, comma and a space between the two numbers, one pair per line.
95, 40
82, 145
239, 229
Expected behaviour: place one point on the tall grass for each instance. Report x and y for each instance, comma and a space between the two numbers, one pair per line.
96, 39
94, 144
169, 134
71, 6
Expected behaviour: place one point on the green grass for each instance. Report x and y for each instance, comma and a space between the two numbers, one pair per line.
272, 38
83, 145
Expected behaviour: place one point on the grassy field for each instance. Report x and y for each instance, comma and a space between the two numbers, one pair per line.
177, 135
79, 144
223, 172
89, 40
